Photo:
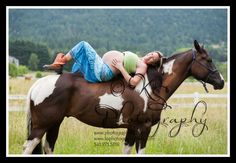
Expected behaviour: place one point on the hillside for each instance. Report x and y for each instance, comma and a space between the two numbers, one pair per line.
138, 30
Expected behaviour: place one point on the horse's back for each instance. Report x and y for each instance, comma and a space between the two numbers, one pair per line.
42, 88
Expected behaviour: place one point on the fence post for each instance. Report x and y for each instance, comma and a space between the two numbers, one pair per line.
196, 98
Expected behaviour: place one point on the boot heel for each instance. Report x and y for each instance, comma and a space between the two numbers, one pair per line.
59, 71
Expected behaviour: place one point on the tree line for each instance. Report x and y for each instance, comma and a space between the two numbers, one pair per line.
137, 30
33, 56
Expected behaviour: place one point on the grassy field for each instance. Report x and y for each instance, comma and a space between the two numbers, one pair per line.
76, 137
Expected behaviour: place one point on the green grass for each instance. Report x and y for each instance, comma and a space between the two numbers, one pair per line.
211, 141
16, 131
78, 138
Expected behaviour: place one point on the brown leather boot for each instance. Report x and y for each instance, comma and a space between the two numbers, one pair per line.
59, 61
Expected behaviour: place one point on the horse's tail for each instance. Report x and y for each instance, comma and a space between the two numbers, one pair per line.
38, 148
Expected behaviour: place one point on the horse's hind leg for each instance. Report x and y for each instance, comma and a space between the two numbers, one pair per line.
129, 141
30, 145
51, 137
33, 141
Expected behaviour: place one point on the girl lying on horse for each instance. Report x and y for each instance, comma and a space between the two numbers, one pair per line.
96, 69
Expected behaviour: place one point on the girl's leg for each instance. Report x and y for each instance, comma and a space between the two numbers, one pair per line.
59, 61
68, 56
87, 61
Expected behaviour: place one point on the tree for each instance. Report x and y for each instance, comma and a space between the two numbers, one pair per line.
12, 70
22, 70
33, 61
22, 49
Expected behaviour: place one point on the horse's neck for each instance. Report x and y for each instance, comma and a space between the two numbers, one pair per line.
175, 72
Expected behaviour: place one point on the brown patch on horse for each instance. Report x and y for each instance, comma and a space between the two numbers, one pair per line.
155, 73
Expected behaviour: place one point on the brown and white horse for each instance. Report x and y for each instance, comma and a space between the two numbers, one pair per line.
112, 104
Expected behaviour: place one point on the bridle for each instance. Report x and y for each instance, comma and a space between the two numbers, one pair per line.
210, 71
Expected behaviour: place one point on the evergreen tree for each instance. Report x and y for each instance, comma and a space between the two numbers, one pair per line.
33, 61
12, 70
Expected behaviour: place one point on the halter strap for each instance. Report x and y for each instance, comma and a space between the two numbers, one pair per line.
194, 55
210, 70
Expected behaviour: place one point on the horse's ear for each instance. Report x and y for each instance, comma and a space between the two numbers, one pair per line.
197, 46
202, 46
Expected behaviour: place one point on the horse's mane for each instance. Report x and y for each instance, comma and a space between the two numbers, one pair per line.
174, 56
155, 78
155, 72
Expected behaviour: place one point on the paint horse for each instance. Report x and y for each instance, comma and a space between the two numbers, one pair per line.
112, 104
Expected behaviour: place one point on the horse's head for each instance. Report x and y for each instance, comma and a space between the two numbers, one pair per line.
204, 69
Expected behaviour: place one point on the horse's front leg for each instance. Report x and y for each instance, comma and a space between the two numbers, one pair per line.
129, 141
141, 137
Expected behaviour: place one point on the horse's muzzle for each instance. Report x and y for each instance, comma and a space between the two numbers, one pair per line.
219, 85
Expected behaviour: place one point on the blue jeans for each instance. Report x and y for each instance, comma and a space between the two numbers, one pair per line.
90, 64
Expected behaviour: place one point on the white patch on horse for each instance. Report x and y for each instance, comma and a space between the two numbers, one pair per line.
127, 149
120, 122
167, 67
43, 88
221, 77
139, 88
47, 148
112, 101
141, 151
29, 145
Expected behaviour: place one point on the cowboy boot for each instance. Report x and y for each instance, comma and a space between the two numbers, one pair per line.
58, 63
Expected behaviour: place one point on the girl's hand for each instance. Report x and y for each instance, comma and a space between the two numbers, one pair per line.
117, 64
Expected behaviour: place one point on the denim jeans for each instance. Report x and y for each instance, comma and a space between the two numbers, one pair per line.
90, 64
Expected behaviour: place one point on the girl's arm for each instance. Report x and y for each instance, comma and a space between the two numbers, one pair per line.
133, 81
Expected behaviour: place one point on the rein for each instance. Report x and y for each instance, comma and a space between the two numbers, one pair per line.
204, 81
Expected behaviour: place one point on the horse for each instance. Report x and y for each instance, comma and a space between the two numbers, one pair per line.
112, 104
